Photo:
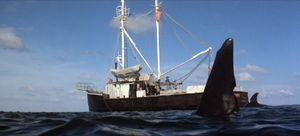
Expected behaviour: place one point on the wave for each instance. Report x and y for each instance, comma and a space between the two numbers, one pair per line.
270, 120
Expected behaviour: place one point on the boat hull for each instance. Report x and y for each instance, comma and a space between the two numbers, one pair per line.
97, 103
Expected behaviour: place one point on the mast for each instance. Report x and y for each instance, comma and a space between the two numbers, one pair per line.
157, 42
122, 33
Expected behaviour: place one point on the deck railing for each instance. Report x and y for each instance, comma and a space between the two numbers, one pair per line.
80, 86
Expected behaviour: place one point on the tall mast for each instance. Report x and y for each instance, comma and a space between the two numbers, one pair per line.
157, 40
122, 33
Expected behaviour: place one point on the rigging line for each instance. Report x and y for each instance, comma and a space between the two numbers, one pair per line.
110, 44
149, 46
131, 49
188, 74
197, 65
137, 49
110, 52
116, 47
107, 105
209, 61
141, 17
186, 30
178, 36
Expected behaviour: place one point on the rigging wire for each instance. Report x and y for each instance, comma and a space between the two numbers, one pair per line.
178, 36
166, 14
208, 54
111, 58
150, 48
188, 74
209, 61
135, 56
185, 29
132, 51
141, 17
116, 47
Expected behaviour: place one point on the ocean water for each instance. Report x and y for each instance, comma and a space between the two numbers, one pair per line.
270, 120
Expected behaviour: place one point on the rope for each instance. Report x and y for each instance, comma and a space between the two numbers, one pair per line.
107, 104
116, 47
134, 55
178, 36
138, 61
209, 60
111, 58
186, 29
189, 74
208, 54
141, 16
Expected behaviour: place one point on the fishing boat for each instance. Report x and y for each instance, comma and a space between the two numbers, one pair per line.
133, 90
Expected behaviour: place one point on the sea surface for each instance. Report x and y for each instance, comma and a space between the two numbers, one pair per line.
270, 120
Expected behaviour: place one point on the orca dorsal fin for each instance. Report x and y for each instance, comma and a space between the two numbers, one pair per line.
254, 102
253, 99
218, 97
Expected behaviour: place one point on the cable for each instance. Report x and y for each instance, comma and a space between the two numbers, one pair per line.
186, 29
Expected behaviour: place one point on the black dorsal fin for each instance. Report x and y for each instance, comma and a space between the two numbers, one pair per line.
254, 102
218, 97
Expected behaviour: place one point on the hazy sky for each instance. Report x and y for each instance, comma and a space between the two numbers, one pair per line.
47, 46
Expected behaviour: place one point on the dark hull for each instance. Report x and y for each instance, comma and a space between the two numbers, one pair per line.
152, 103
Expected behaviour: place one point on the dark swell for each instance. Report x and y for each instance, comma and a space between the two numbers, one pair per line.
269, 120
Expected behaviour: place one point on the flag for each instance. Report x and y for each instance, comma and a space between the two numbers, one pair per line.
157, 15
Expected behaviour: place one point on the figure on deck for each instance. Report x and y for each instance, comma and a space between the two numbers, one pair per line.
152, 83
168, 83
175, 84
110, 81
